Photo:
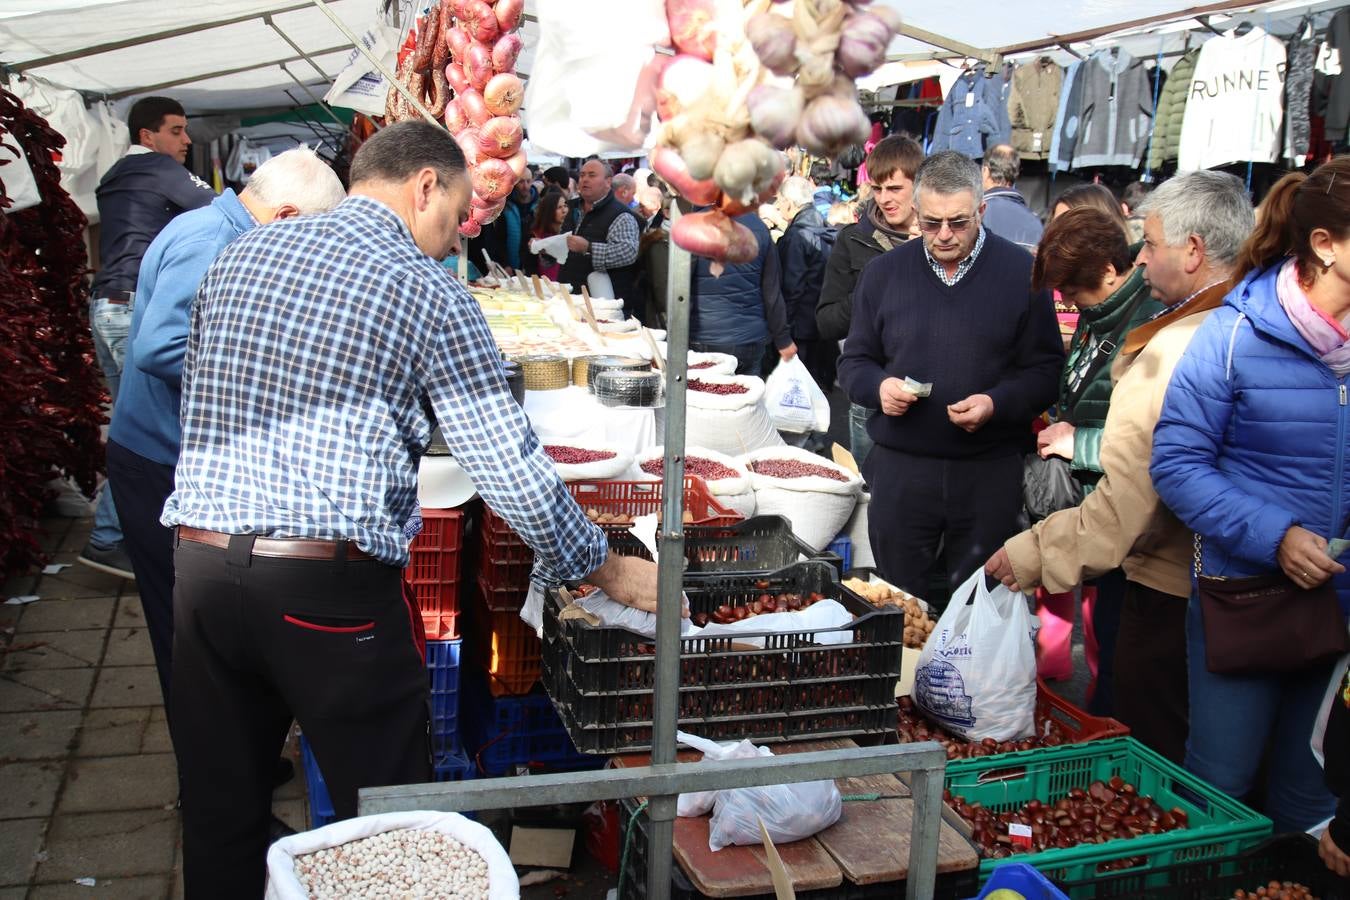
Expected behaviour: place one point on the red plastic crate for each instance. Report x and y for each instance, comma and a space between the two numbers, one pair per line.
505, 648
434, 571
640, 498
1080, 726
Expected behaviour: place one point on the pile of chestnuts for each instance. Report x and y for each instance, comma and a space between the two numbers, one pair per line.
1104, 811
725, 613
1278, 890
911, 726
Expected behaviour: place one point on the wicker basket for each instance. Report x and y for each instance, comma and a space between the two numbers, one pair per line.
581, 369
544, 373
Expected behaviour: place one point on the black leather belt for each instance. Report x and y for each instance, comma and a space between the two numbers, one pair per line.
121, 298
281, 548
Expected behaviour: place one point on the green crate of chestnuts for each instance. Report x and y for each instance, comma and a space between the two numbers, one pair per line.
1082, 811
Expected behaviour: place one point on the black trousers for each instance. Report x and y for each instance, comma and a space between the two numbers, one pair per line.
140, 486
258, 641
1151, 687
968, 507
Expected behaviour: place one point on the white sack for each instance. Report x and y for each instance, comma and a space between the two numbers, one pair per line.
730, 423
600, 470
283, 885
818, 507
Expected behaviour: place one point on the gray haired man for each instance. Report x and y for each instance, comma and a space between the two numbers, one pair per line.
1006, 213
956, 354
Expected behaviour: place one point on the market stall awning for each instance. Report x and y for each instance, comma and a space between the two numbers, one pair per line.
223, 55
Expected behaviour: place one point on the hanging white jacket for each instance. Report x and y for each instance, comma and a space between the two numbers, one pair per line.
1235, 108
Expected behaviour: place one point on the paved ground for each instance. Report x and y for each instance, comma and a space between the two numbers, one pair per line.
85, 760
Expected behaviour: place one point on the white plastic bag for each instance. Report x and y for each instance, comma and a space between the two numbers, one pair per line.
282, 883
790, 812
818, 507
796, 402
976, 675
730, 423
361, 86
820, 620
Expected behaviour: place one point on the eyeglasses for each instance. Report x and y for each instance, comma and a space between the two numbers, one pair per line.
933, 226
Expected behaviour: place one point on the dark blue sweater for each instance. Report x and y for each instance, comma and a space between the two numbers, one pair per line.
987, 334
137, 197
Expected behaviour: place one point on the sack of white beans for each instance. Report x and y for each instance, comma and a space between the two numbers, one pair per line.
579, 460
815, 494
407, 854
726, 413
727, 480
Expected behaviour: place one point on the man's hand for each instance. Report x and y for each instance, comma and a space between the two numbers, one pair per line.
1336, 859
972, 412
578, 244
788, 352
630, 580
1303, 557
895, 399
1000, 567
1057, 440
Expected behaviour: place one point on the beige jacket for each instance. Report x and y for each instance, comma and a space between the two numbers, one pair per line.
1122, 522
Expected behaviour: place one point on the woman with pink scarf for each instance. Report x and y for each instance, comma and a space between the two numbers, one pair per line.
1253, 453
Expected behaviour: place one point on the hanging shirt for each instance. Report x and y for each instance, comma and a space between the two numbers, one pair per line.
1235, 108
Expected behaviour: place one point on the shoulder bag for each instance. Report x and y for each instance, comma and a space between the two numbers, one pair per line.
1267, 624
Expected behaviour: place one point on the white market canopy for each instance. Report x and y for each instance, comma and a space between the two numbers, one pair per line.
240, 55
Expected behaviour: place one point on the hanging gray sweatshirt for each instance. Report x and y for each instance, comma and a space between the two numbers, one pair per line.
1117, 111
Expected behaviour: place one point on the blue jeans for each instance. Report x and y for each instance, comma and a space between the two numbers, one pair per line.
751, 359
111, 324
1234, 717
859, 441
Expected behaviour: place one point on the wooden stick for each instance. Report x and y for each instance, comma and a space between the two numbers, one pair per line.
586, 298
656, 351
538, 287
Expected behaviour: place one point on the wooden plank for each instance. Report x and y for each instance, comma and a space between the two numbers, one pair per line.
742, 871
883, 785
870, 842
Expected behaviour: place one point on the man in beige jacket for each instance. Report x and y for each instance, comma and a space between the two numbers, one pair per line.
1194, 226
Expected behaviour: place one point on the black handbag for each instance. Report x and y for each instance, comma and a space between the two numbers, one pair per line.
1266, 624
1048, 486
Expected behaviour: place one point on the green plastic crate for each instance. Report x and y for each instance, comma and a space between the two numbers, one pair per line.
1220, 827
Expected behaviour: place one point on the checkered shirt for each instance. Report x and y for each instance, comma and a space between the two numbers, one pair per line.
621, 246
312, 343
961, 269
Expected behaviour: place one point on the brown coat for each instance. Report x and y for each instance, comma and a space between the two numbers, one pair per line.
1122, 522
1033, 106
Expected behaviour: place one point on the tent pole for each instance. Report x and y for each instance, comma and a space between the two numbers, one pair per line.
318, 101
377, 63
144, 89
993, 57
145, 39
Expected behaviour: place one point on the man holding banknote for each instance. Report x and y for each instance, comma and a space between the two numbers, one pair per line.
957, 355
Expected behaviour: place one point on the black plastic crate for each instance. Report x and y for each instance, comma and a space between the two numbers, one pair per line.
601, 678
757, 545
1285, 857
633, 875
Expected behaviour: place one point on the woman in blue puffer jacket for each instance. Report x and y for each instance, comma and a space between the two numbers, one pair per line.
1251, 453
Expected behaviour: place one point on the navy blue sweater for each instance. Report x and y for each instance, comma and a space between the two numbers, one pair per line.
137, 197
987, 334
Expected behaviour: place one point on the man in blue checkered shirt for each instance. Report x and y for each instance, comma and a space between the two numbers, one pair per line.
311, 347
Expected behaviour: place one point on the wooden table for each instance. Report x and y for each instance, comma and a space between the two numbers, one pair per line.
868, 845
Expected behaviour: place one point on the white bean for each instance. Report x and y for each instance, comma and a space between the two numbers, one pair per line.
404, 863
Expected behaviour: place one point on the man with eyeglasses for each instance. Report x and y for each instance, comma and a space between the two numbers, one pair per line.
956, 354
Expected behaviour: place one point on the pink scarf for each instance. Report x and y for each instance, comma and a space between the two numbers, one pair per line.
1324, 334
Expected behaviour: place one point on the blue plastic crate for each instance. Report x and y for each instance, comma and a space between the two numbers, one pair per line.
501, 733
452, 767
443, 670
1024, 880
320, 804
843, 548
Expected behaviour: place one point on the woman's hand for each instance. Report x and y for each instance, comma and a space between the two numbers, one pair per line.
1303, 557
1336, 859
1056, 440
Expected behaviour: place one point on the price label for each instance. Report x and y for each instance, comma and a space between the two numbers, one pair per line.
1020, 835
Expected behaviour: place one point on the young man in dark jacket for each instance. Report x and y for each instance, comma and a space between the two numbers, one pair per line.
1335, 845
803, 251
137, 197
887, 221
956, 312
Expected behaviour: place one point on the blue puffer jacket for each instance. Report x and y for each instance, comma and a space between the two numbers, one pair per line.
1253, 436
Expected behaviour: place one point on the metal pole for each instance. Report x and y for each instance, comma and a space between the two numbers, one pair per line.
317, 100
666, 691
926, 787
220, 73
375, 61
